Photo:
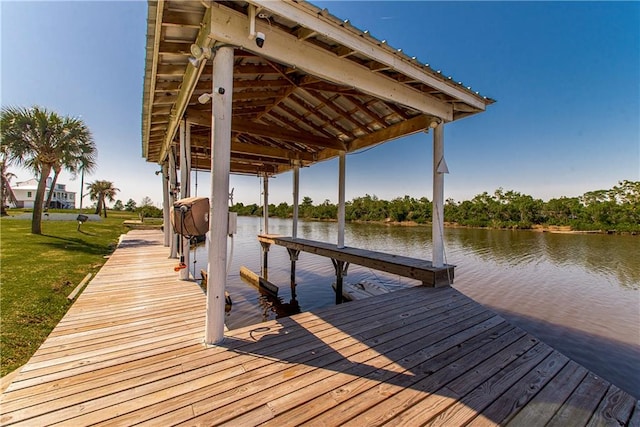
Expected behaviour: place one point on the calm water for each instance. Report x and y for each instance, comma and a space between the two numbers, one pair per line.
578, 293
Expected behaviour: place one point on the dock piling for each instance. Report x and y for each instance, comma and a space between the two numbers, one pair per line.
341, 268
293, 256
265, 259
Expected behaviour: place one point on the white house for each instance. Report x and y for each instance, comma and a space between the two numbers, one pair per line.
25, 192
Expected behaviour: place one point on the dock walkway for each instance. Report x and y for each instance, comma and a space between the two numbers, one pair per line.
130, 351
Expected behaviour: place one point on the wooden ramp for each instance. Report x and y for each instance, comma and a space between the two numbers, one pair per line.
130, 351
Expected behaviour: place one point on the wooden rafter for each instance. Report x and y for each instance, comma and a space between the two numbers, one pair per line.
228, 27
257, 129
302, 118
316, 88
398, 130
317, 111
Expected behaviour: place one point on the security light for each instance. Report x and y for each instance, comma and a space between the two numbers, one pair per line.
260, 38
198, 53
204, 98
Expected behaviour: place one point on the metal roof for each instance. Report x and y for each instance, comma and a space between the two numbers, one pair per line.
339, 88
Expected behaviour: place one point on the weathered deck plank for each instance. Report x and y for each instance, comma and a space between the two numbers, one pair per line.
130, 351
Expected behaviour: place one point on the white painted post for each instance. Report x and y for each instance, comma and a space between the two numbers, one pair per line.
173, 247
296, 197
265, 198
219, 209
341, 192
165, 205
185, 186
81, 187
438, 196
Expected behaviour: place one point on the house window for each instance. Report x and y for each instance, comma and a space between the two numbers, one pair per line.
28, 193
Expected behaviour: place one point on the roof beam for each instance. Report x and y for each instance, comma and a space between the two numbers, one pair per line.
203, 143
303, 121
252, 128
259, 83
175, 47
253, 169
316, 110
180, 19
149, 84
189, 82
398, 130
248, 127
266, 151
228, 26
321, 25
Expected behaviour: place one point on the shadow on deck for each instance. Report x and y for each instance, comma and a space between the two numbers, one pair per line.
130, 350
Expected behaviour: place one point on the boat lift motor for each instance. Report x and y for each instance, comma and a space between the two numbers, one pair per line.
189, 218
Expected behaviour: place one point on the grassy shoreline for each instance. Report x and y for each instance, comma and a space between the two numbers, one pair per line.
37, 272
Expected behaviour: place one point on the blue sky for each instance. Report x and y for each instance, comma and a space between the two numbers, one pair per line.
566, 77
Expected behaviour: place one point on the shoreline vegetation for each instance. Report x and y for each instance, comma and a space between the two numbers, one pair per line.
616, 210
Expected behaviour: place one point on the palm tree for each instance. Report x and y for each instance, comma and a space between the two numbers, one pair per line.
101, 191
7, 195
74, 165
40, 139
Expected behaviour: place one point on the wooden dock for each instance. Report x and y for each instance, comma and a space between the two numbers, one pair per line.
130, 351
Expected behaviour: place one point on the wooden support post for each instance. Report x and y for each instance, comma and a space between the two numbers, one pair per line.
341, 268
222, 77
265, 259
439, 169
165, 205
293, 256
296, 197
185, 189
173, 247
341, 196
265, 198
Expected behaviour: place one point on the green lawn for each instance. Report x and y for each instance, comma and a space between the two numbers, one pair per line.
37, 272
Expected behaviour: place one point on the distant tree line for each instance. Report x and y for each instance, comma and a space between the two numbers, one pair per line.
145, 210
615, 209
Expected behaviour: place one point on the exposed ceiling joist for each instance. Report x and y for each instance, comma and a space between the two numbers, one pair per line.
321, 25
228, 26
316, 88
189, 81
251, 128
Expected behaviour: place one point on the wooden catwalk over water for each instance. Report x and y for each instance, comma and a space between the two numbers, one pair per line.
130, 351
404, 266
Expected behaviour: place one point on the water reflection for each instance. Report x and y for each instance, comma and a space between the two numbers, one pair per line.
580, 293
601, 254
273, 304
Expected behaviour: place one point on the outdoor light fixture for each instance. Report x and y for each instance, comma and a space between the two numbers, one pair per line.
198, 53
205, 97
260, 38
434, 123
195, 62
